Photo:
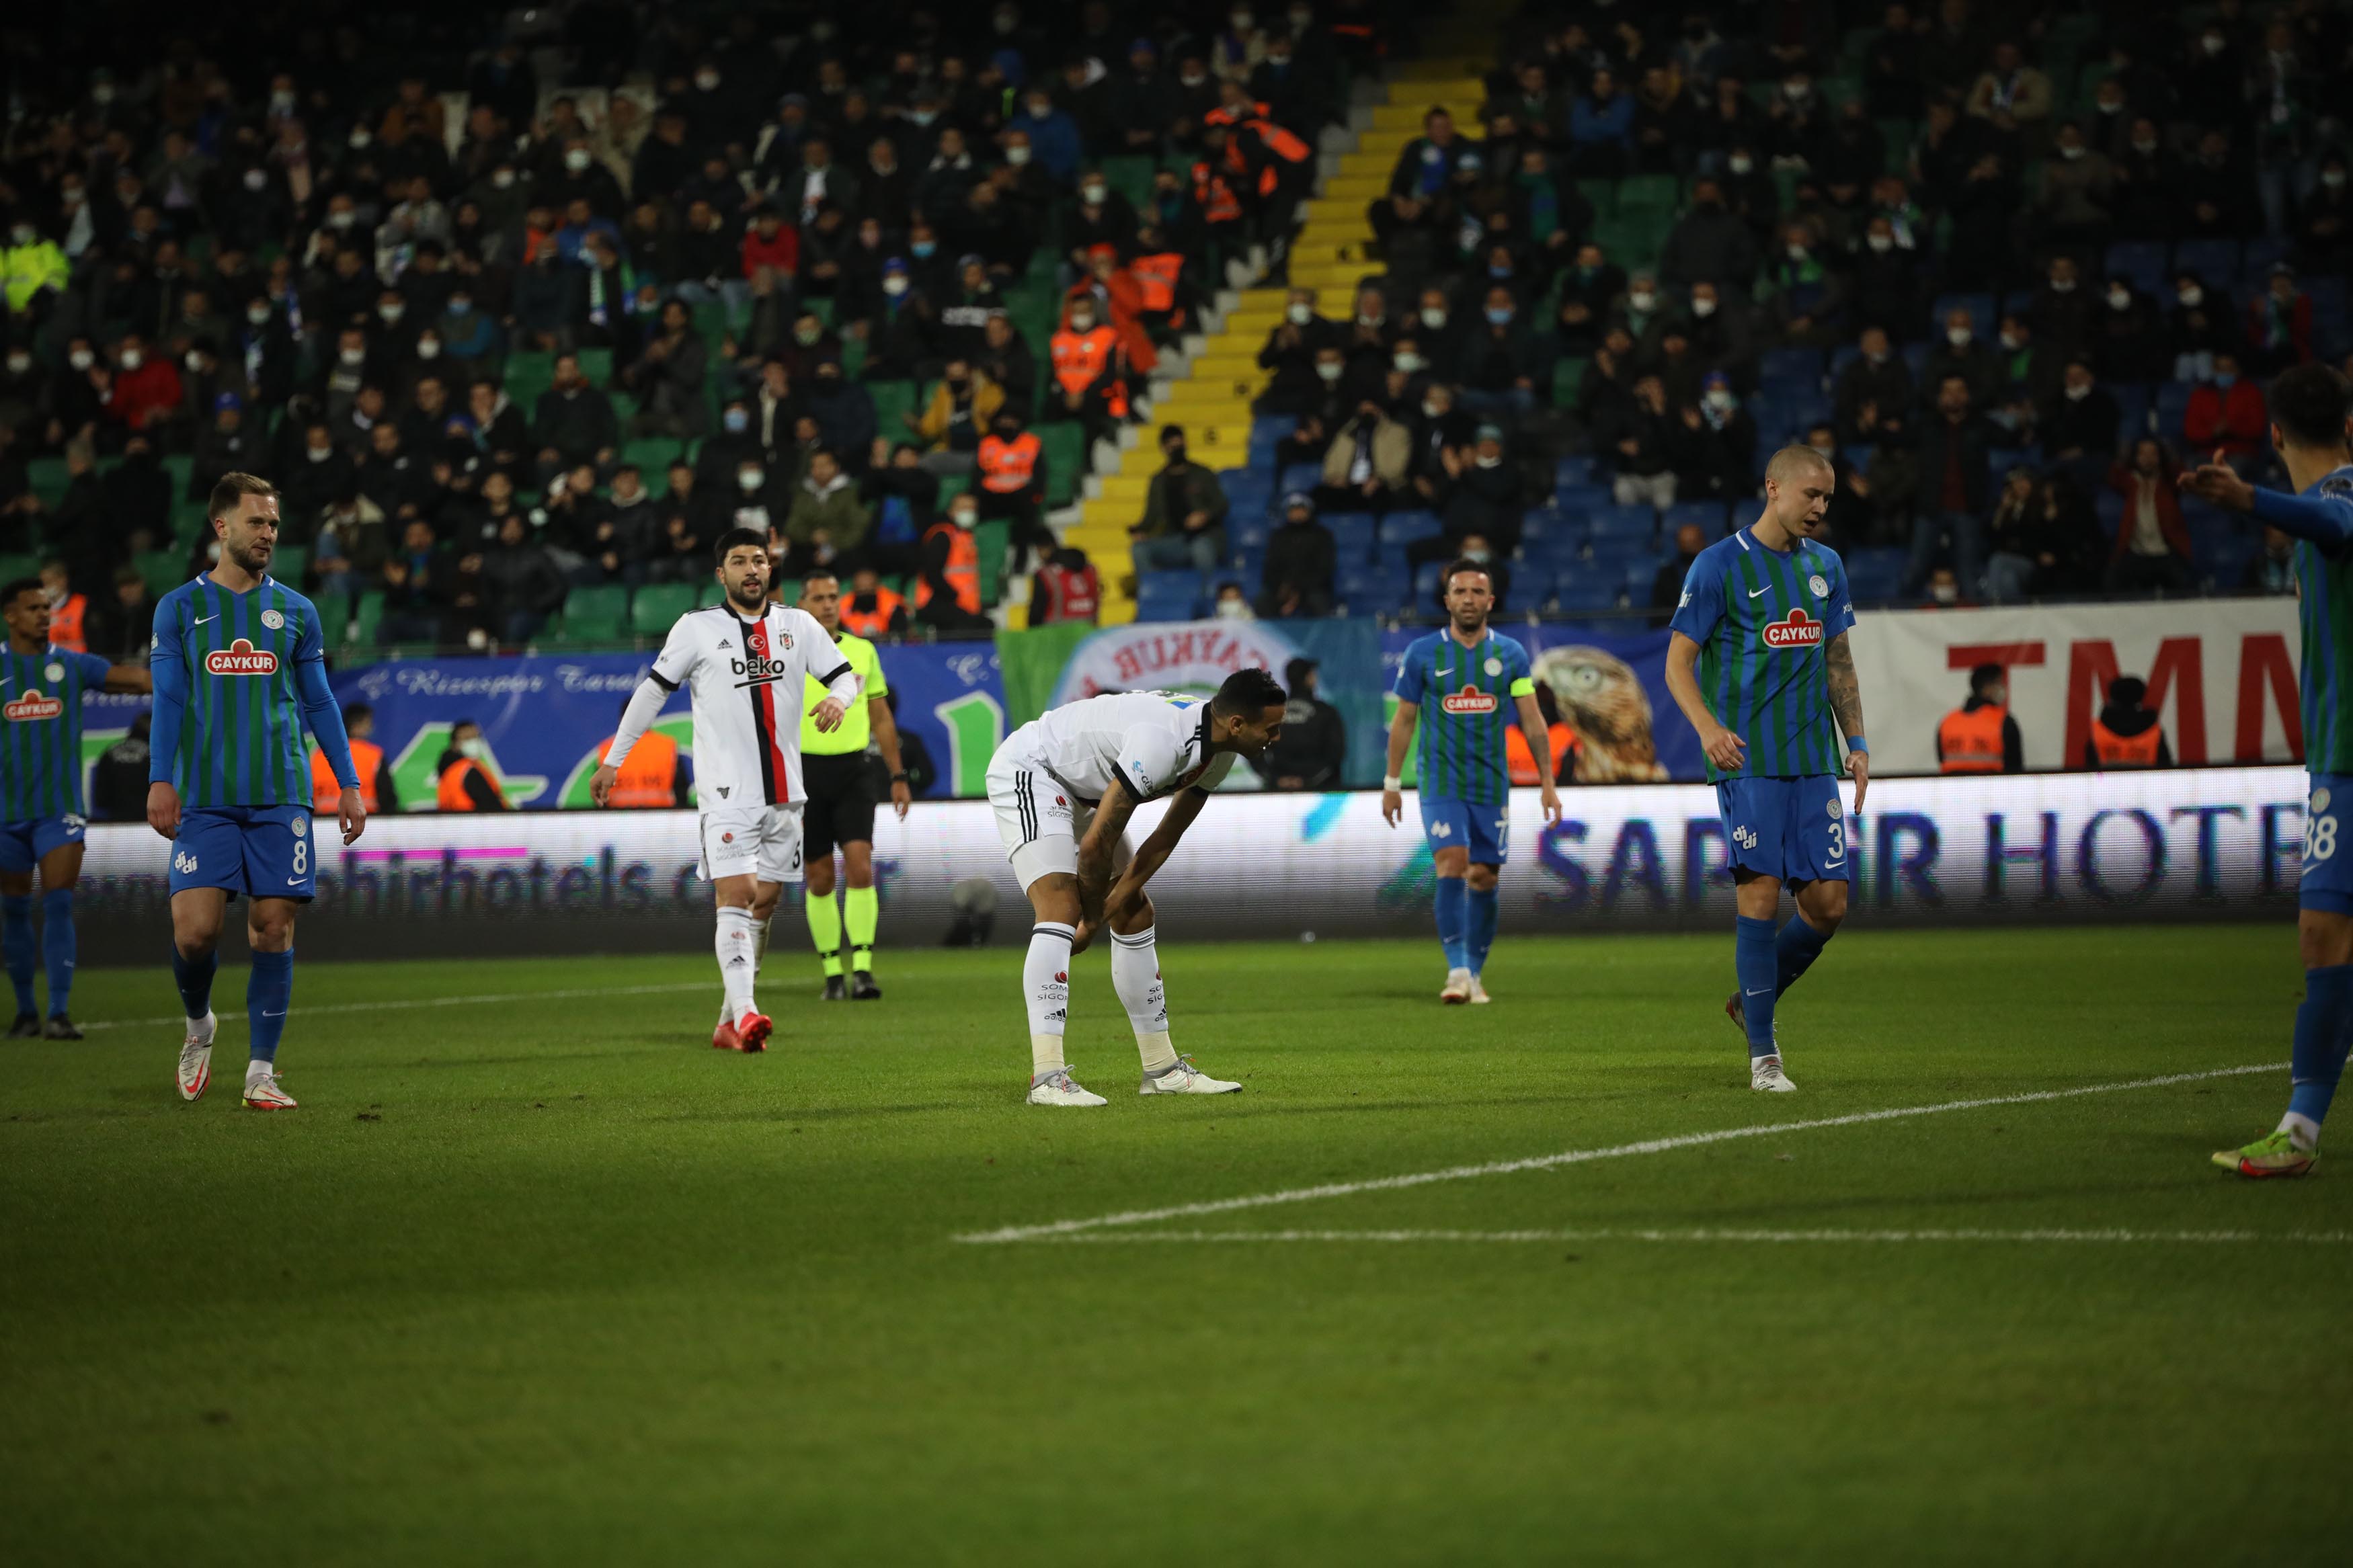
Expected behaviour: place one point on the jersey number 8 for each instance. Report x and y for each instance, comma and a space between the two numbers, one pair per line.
2320, 838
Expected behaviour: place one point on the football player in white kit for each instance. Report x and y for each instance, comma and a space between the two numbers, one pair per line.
746, 661
1063, 786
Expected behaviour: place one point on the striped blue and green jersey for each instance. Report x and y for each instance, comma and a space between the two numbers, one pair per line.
1763, 620
2321, 518
1465, 695
40, 729
237, 676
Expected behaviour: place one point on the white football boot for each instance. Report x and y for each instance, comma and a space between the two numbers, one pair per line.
1479, 996
1184, 1079
1056, 1089
266, 1093
1458, 987
196, 1057
1765, 1077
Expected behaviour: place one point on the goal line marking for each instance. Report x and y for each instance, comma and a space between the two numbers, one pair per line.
1058, 1229
2185, 1237
402, 1002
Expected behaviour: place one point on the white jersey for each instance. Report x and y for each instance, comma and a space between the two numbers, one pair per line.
747, 679
1155, 743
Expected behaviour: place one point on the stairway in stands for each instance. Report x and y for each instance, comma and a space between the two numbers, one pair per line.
1211, 398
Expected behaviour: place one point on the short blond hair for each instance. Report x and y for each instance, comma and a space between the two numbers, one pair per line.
1784, 463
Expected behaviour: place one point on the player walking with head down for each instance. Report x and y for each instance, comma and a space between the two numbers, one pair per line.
2310, 426
1760, 664
1466, 675
1063, 786
746, 662
240, 668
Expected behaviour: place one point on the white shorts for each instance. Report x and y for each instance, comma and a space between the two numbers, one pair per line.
758, 840
1040, 822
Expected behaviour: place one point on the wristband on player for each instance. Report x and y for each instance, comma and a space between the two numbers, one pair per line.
1393, 782
1854, 744
899, 777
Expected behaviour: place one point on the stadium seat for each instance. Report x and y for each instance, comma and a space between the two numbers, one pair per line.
367, 620
1247, 532
1167, 595
1583, 501
1370, 589
2213, 261
2132, 412
1353, 532
594, 614
49, 477
1065, 444
1875, 574
2172, 403
2258, 257
1588, 591
1649, 193
1801, 365
334, 618
161, 570
654, 608
288, 562
2139, 262
1409, 528
713, 593
1548, 526
992, 541
1571, 471
1623, 522
1708, 514
1425, 583
1529, 588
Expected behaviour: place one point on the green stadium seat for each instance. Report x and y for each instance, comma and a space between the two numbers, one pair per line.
655, 610
652, 457
789, 591
334, 618
367, 619
1567, 376
1645, 193
821, 307
597, 364
1602, 194
990, 540
595, 614
893, 398
181, 466
288, 563
1898, 135
1130, 177
14, 566
711, 594
48, 476
953, 486
533, 368
1065, 442
162, 571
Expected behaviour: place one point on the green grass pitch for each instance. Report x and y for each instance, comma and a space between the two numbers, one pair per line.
541, 1278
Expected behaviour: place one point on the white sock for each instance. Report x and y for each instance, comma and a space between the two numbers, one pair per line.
1046, 987
257, 1069
738, 965
759, 962
2303, 1129
1136, 975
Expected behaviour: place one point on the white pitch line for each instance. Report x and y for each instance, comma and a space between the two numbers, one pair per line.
2187, 1237
409, 1001
1578, 1157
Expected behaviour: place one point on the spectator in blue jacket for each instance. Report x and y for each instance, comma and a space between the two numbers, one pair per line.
1600, 129
1053, 135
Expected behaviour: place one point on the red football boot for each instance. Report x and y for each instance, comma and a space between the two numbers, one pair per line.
751, 1032
723, 1038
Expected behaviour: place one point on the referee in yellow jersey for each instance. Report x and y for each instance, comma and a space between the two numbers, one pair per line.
840, 779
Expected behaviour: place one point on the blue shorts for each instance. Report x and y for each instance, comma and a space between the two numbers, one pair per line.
261, 851
23, 845
2327, 883
1791, 828
1453, 824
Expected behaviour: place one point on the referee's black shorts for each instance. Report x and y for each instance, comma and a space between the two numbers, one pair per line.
840, 808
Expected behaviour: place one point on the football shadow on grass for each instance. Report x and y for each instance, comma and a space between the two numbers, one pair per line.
797, 1115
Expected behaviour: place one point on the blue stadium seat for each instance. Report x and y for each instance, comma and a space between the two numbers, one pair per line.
2172, 403
1614, 521
1167, 595
1588, 591
1915, 359
1409, 528
1858, 456
1247, 568
2132, 411
1531, 586
1548, 526
1842, 356
2139, 262
1579, 501
2110, 507
1370, 590
1793, 365
2214, 261
1353, 533
1425, 583
1708, 514
2259, 256
1297, 477
1577, 470
1876, 574
1247, 532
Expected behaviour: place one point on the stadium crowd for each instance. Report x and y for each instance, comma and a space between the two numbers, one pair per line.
520, 320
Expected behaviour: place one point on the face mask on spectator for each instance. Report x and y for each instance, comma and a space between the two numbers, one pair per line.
360, 139
2144, 145
1411, 364
1740, 164
1719, 400
1704, 308
1094, 195
19, 363
353, 356
1878, 357
340, 220
133, 358
1944, 593
577, 160
1083, 320
924, 249
1641, 299
391, 312
1957, 336
256, 179
2192, 297
2333, 178
1485, 461
1329, 370
318, 453
1195, 78
1300, 314
1233, 609
750, 480
1430, 410
281, 101
1796, 252
1016, 155
2071, 154
501, 179
2011, 343
1432, 317
2212, 43
737, 420
965, 517
706, 81
1499, 315
1880, 243
460, 306
2063, 285
2077, 394
2119, 299
2225, 379
428, 348
894, 285
193, 360
81, 359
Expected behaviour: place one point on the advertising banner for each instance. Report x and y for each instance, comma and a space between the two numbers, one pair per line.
2200, 844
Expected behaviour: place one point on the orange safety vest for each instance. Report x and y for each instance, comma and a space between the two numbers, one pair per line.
1010, 468
963, 571
1277, 141
66, 623
1221, 115
450, 794
1523, 761
1971, 742
1081, 358
1070, 595
1218, 202
327, 790
649, 780
1157, 277
2117, 750
876, 621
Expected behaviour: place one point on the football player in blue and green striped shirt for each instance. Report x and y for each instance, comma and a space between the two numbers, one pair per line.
1466, 675
41, 817
1759, 662
240, 665
2310, 425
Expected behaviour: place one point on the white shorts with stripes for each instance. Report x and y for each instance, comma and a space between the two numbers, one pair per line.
758, 840
1039, 820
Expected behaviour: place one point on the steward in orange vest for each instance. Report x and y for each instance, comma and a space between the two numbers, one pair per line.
952, 559
1157, 274
1066, 588
1008, 467
377, 792
67, 618
1086, 361
1119, 299
464, 782
1523, 761
1220, 208
1979, 736
2125, 734
650, 780
871, 611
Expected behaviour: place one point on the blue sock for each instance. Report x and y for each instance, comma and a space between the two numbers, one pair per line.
1798, 946
1755, 958
57, 946
17, 940
267, 992
194, 976
1450, 922
1486, 908
2324, 1029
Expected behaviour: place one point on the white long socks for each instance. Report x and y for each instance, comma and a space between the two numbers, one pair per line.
1046, 987
727, 1014
1136, 975
736, 944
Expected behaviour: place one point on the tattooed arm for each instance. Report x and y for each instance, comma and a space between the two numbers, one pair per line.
1846, 702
